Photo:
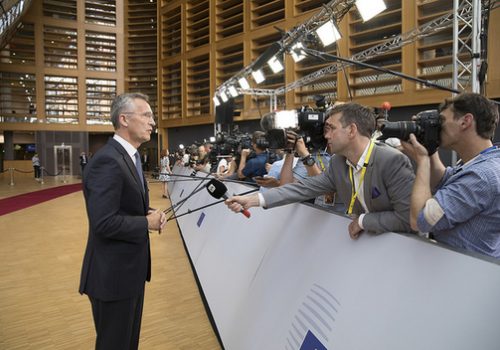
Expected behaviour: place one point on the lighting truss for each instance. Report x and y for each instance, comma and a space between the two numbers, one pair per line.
335, 9
427, 29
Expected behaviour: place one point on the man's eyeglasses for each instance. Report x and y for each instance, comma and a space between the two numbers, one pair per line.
146, 115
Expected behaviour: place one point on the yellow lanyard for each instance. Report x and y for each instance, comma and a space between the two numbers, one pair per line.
354, 194
321, 162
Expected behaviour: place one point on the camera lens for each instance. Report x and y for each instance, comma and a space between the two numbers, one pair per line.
400, 130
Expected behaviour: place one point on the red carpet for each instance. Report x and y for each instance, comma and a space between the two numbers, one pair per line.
22, 201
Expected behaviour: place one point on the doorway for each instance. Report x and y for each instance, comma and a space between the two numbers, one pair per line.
63, 156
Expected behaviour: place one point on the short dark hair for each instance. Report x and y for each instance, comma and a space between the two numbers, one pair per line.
121, 103
354, 113
485, 111
256, 136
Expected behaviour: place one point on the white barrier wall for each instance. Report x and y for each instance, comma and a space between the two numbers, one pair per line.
291, 278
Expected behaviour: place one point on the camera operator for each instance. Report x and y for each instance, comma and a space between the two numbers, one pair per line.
460, 205
311, 163
374, 180
201, 162
256, 166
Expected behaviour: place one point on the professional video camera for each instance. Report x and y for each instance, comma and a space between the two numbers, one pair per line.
426, 126
194, 155
306, 121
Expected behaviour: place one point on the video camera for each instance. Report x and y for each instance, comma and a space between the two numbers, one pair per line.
306, 122
426, 126
194, 155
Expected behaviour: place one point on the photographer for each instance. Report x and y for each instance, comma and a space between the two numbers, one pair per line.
460, 205
199, 159
374, 180
255, 166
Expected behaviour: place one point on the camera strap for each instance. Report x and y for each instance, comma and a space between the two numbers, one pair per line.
354, 193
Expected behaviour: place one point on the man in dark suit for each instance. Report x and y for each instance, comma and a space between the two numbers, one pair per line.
373, 180
117, 260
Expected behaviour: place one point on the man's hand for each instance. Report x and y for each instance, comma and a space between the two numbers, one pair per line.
237, 203
354, 229
267, 181
156, 220
301, 148
245, 152
414, 149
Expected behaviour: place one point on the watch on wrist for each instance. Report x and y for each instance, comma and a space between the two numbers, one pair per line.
308, 160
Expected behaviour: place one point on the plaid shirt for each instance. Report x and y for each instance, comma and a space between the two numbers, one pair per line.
470, 198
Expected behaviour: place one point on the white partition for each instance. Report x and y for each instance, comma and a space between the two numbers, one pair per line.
291, 278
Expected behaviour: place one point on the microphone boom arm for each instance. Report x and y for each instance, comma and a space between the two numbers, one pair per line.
330, 57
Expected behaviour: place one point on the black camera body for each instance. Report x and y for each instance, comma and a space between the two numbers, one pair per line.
308, 123
426, 126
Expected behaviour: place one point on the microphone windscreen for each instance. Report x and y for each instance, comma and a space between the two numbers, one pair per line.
216, 188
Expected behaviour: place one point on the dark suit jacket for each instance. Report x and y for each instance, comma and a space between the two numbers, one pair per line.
387, 189
117, 260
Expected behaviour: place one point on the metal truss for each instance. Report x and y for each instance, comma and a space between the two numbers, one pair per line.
335, 9
465, 72
427, 29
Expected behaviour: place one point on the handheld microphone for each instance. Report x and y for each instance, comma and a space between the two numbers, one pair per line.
218, 190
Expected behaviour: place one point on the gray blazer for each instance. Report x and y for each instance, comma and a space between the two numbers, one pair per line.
387, 189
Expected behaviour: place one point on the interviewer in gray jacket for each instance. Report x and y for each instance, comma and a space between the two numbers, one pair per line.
373, 180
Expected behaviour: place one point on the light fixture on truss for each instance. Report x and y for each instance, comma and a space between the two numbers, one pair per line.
216, 101
243, 83
232, 91
223, 96
297, 53
275, 64
370, 8
258, 76
328, 33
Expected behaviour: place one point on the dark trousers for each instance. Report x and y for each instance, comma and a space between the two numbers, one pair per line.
37, 170
117, 323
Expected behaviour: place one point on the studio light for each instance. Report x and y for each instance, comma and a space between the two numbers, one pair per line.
258, 76
223, 96
216, 101
232, 91
243, 83
328, 33
297, 53
370, 8
275, 64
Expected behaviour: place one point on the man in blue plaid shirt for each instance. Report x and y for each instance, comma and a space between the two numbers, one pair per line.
460, 205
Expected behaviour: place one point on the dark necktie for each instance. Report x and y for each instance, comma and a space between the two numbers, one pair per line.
139, 169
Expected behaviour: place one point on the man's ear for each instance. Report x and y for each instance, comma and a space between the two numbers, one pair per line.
353, 129
122, 119
467, 121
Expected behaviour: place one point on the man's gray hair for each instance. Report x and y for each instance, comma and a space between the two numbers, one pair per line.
123, 103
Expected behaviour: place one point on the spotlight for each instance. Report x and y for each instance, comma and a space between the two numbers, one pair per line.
232, 91
297, 53
370, 8
243, 83
223, 96
216, 101
275, 64
181, 146
258, 76
328, 33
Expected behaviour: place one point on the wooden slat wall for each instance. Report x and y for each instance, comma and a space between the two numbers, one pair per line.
256, 28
